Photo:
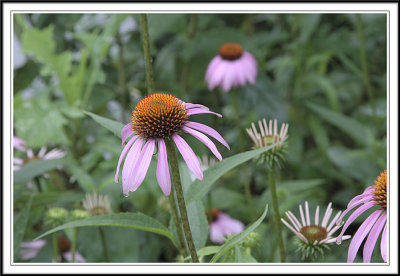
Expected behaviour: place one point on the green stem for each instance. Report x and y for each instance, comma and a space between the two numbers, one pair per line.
173, 162
104, 244
189, 35
55, 246
364, 65
147, 55
247, 189
121, 76
178, 225
276, 212
74, 243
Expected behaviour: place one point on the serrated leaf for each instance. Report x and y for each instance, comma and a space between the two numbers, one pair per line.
35, 168
114, 126
239, 237
133, 220
199, 188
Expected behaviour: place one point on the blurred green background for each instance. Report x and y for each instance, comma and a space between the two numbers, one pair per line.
324, 74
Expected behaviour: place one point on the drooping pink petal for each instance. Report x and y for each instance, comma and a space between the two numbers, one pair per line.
352, 217
19, 143
373, 237
240, 75
361, 234
384, 244
228, 79
212, 66
217, 75
209, 131
230, 225
188, 155
78, 257
121, 157
190, 106
297, 233
195, 111
216, 233
129, 168
205, 140
126, 132
162, 173
366, 193
143, 164
361, 201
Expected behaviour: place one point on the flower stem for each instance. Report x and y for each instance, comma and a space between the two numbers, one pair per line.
178, 225
247, 189
364, 65
147, 55
121, 76
174, 166
55, 246
73, 246
104, 244
276, 212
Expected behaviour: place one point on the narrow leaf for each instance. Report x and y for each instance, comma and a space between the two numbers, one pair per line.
35, 168
114, 126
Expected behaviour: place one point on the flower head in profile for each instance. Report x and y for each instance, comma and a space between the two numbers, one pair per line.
269, 135
232, 67
221, 225
97, 204
313, 237
373, 226
42, 154
158, 117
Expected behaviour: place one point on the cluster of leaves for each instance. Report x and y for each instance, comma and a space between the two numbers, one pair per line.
83, 73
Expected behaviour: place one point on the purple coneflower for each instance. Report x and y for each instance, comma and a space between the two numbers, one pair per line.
222, 225
157, 117
53, 154
313, 237
373, 225
19, 144
231, 68
29, 250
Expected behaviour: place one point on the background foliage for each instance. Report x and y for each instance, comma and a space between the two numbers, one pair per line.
312, 73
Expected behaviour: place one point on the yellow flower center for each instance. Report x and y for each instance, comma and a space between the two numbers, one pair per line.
231, 51
158, 115
314, 232
380, 189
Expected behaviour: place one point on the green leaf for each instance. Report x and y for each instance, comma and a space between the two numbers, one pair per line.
198, 223
133, 220
239, 237
85, 181
114, 126
20, 224
348, 125
35, 168
199, 188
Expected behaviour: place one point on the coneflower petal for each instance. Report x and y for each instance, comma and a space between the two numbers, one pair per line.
195, 111
126, 132
162, 173
188, 155
373, 237
205, 140
360, 235
209, 131
143, 164
384, 244
129, 167
121, 157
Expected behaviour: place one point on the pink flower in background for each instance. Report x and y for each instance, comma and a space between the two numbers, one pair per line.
29, 250
19, 144
372, 225
222, 226
53, 154
157, 117
231, 68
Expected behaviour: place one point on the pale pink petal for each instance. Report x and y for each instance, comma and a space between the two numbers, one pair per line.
126, 132
209, 131
360, 235
205, 140
78, 257
297, 233
162, 173
230, 225
29, 153
217, 75
18, 161
352, 217
195, 111
42, 152
19, 143
373, 237
190, 105
307, 213
188, 155
121, 157
216, 233
294, 220
228, 79
384, 244
143, 164
327, 215
212, 67
366, 193
54, 154
331, 240
302, 216
129, 168
340, 219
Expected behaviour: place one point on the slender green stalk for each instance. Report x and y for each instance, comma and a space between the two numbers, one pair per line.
55, 247
178, 225
189, 35
104, 244
147, 55
121, 76
364, 65
247, 189
277, 218
173, 162
74, 243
